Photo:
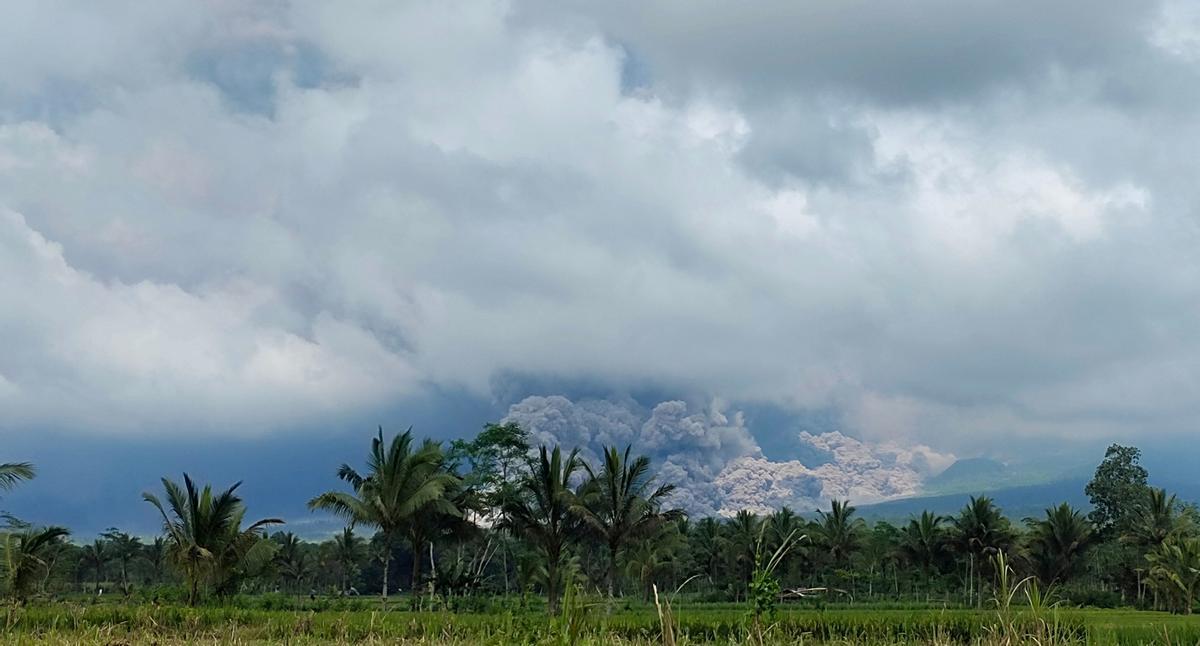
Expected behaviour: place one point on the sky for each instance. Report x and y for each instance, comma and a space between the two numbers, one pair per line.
237, 236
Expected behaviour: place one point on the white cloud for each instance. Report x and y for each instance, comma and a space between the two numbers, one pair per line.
115, 356
1177, 29
237, 215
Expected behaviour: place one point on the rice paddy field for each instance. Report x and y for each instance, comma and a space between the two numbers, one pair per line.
586, 623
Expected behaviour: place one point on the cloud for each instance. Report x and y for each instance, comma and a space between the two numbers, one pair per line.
953, 231
166, 353
919, 52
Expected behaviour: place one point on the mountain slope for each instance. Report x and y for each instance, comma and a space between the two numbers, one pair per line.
1017, 502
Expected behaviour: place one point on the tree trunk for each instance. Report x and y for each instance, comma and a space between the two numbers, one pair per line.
193, 587
612, 571
504, 561
416, 566
552, 584
387, 561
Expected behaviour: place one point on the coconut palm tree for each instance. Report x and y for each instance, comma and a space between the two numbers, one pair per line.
708, 545
205, 539
648, 559
981, 528
1057, 543
94, 557
12, 473
743, 532
347, 551
620, 503
839, 532
922, 543
290, 559
1155, 520
25, 554
402, 487
155, 553
1175, 571
540, 511
123, 548
780, 525
980, 532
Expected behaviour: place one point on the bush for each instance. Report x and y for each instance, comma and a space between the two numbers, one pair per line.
1087, 597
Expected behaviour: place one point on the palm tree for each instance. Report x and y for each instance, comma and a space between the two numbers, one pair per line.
619, 503
708, 545
981, 529
347, 550
25, 554
205, 539
981, 532
782, 524
1058, 541
1175, 570
922, 542
124, 548
647, 559
540, 511
12, 473
743, 531
94, 556
291, 559
155, 553
1155, 521
401, 488
839, 532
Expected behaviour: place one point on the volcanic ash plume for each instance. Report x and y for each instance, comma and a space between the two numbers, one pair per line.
715, 462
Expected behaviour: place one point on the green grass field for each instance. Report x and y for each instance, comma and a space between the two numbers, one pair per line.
588, 624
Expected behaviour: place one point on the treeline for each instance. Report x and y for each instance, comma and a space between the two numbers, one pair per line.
462, 523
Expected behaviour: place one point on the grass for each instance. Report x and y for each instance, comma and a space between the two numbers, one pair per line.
587, 623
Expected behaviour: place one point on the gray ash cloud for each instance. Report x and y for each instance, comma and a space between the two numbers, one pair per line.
711, 455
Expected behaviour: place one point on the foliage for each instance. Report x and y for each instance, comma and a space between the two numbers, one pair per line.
923, 542
620, 503
1116, 489
540, 512
95, 625
94, 556
347, 552
123, 548
12, 473
1155, 520
25, 554
764, 586
1175, 571
205, 539
402, 487
838, 532
557, 524
1057, 543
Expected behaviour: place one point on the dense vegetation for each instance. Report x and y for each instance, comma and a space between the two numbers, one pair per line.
492, 525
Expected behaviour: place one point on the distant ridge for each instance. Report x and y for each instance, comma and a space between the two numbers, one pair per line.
1017, 502
968, 474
